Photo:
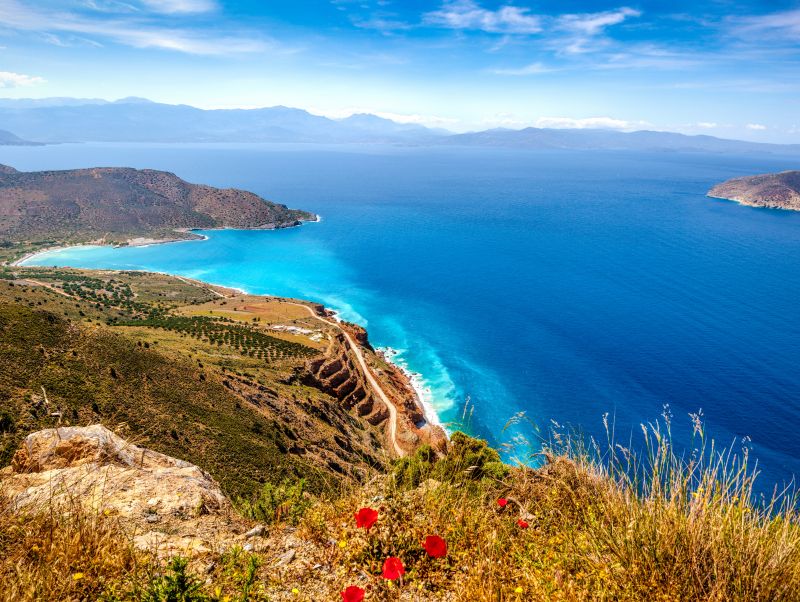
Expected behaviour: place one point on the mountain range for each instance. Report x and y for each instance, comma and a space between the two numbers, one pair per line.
57, 120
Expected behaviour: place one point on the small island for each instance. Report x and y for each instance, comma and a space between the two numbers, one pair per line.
774, 191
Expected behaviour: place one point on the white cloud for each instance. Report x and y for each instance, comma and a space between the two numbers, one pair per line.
532, 69
180, 6
706, 125
594, 23
428, 120
9, 79
508, 19
756, 127
130, 32
605, 123
466, 14
784, 24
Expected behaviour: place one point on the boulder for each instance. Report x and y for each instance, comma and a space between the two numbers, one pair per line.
104, 473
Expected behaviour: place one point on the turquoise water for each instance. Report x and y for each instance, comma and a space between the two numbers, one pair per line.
562, 284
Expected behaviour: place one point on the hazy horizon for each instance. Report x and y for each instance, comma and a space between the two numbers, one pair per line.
723, 69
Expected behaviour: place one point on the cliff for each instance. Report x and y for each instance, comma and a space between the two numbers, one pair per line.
774, 191
121, 203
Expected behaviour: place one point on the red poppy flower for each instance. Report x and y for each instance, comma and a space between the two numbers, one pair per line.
352, 594
502, 502
366, 517
435, 546
393, 568
522, 524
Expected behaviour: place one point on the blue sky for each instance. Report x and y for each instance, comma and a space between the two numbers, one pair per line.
725, 68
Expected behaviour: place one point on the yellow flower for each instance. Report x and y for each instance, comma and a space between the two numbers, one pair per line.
77, 576
343, 544
295, 591
518, 590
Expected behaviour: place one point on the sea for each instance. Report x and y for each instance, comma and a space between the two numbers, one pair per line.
523, 288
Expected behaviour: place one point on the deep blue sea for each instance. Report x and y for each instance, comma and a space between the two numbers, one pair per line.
562, 284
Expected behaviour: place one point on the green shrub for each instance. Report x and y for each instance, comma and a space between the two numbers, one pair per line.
468, 459
286, 502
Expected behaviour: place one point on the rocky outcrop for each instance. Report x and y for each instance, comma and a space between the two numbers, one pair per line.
173, 505
774, 191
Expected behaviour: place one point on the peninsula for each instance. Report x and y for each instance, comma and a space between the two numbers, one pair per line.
774, 191
115, 205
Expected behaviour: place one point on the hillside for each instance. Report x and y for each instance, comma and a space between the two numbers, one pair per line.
117, 204
775, 191
102, 523
231, 382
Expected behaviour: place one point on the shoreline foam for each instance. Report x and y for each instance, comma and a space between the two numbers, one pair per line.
417, 381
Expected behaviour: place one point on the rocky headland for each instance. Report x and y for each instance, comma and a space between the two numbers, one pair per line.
118, 204
773, 191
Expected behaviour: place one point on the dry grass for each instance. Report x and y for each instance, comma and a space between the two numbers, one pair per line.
65, 556
603, 525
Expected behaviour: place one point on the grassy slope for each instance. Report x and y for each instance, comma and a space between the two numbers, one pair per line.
239, 417
682, 532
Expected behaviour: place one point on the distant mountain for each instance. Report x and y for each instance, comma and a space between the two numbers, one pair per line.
135, 119
139, 120
122, 203
596, 139
9, 139
775, 190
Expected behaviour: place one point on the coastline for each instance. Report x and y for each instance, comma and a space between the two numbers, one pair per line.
422, 392
753, 204
143, 241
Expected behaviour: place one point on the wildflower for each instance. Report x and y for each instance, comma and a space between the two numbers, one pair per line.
77, 576
518, 590
295, 591
352, 594
366, 517
435, 546
343, 544
393, 568
502, 502
522, 524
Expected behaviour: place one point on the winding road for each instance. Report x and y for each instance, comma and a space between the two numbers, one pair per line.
368, 373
